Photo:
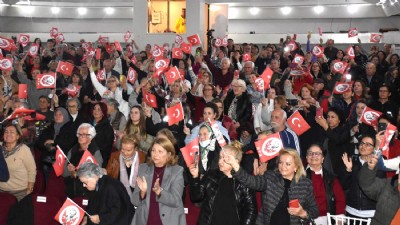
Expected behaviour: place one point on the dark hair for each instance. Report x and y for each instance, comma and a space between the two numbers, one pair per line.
338, 112
319, 146
369, 136
17, 128
213, 106
45, 97
103, 108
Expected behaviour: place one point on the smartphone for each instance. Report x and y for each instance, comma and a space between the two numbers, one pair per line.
320, 112
293, 102
382, 126
294, 203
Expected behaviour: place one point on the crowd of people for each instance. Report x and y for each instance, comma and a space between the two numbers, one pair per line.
140, 175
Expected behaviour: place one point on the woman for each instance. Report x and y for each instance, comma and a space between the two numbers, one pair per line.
124, 165
199, 102
394, 60
224, 199
20, 162
104, 131
338, 140
358, 203
177, 93
222, 76
109, 203
254, 93
8, 86
158, 197
209, 150
345, 103
262, 115
393, 80
276, 185
316, 70
328, 192
360, 90
85, 134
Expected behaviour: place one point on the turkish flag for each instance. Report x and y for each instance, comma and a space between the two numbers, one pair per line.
109, 48
375, 38
101, 75
23, 91
292, 46
6, 64
65, 68
318, 51
149, 99
352, 32
33, 50
172, 74
194, 40
175, 114
132, 75
158, 73
320, 31
178, 39
191, 151
298, 59
58, 165
46, 80
342, 87
266, 76
20, 113
218, 42
387, 136
72, 90
60, 38
54, 32
134, 60
225, 41
157, 51
246, 57
127, 36
218, 134
297, 72
338, 66
23, 39
98, 54
161, 63
177, 53
269, 147
186, 48
297, 123
350, 52
70, 213
34, 117
87, 157
370, 116
260, 84
6, 44
118, 46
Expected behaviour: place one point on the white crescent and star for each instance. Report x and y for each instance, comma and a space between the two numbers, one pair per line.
177, 114
296, 119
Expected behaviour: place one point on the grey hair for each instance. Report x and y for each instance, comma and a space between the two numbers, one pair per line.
112, 101
251, 62
74, 100
90, 170
115, 77
91, 129
226, 58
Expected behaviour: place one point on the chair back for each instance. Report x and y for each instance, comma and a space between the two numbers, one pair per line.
347, 220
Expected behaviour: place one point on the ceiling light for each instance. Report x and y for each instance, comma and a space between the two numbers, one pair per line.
214, 8
254, 10
318, 9
109, 10
352, 9
286, 10
55, 10
82, 11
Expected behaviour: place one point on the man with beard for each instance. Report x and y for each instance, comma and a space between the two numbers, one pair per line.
289, 138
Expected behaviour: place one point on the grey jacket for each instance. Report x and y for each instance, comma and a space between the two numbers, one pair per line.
170, 201
384, 191
272, 186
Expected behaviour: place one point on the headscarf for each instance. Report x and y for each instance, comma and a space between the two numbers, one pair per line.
57, 126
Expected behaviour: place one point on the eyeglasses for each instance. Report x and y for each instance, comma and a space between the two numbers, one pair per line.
366, 143
111, 81
208, 89
314, 153
84, 135
72, 106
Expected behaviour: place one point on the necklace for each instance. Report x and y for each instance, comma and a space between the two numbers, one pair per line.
157, 174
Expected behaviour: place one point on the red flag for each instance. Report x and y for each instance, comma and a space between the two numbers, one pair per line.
350, 52
218, 42
72, 90
175, 114
127, 36
157, 51
297, 123
87, 157
190, 151
101, 75
246, 57
98, 54
178, 39
320, 31
20, 113
375, 38
370, 116
387, 136
109, 48
269, 147
236, 74
318, 51
172, 74
298, 59
217, 132
342, 87
46, 80
70, 213
33, 50
292, 46
260, 84
352, 32
161, 63
149, 99
65, 68
132, 75
118, 46
23, 91
177, 53
58, 165
186, 48
194, 40
54, 32
266, 76
36, 117
6, 44
103, 40
158, 73
6, 64
296, 72
23, 39
134, 60
225, 41
60, 38
338, 66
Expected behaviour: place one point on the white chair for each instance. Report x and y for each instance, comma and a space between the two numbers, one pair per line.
347, 220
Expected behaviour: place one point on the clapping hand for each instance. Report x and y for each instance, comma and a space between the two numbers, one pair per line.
157, 188
142, 184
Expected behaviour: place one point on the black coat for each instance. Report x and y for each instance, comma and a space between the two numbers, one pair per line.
104, 139
111, 202
207, 189
65, 139
243, 109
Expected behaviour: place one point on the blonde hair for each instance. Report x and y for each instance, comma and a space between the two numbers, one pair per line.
299, 164
169, 147
236, 148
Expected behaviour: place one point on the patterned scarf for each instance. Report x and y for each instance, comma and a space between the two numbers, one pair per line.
123, 175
